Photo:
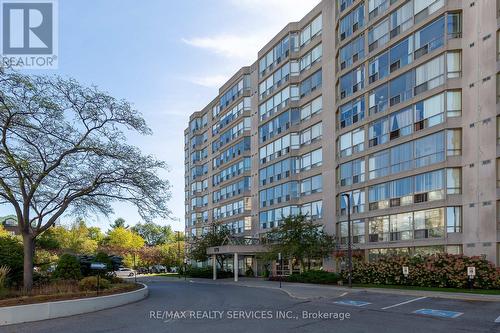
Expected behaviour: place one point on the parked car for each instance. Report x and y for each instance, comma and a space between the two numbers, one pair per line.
124, 272
158, 269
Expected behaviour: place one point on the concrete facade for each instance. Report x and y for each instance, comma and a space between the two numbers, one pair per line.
402, 99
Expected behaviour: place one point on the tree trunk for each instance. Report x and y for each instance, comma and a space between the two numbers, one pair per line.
29, 249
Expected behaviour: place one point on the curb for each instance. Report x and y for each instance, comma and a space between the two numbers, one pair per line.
49, 310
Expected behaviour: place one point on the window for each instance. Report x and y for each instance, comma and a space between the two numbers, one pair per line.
352, 22
401, 88
310, 84
311, 58
343, 5
430, 37
378, 36
453, 219
352, 82
377, 7
278, 102
352, 142
429, 150
310, 160
378, 68
378, 99
454, 25
453, 103
278, 194
379, 164
278, 125
429, 112
414, 154
352, 112
311, 31
277, 54
429, 75
352, 172
275, 172
401, 123
275, 149
454, 142
424, 8
453, 181
429, 224
401, 54
357, 199
378, 132
357, 232
311, 109
352, 52
311, 185
402, 19
454, 64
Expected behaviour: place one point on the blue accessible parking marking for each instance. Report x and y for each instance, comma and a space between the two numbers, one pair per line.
439, 313
352, 303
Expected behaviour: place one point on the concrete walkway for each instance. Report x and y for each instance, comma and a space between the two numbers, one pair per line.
315, 291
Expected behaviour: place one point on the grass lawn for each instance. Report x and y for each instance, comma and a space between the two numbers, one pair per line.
13, 299
451, 290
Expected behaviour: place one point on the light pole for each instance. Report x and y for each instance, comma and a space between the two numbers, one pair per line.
349, 243
179, 253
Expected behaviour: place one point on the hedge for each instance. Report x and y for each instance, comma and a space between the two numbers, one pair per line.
438, 270
313, 276
206, 273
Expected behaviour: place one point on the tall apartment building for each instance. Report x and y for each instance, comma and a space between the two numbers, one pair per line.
393, 102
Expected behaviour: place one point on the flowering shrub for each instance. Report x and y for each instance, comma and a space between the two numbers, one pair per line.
438, 270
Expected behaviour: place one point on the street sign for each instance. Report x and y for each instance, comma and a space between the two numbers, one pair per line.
406, 271
279, 256
98, 266
471, 271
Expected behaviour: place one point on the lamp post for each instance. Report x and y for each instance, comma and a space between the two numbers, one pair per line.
179, 253
349, 242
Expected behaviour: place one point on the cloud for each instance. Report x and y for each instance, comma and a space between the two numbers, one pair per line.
229, 46
213, 81
288, 10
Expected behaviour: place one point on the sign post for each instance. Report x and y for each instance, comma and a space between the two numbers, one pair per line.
281, 266
471, 274
98, 266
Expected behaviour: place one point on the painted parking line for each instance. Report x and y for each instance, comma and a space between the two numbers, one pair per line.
403, 303
497, 320
439, 313
352, 303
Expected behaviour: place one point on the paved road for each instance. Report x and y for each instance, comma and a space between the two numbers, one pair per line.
368, 312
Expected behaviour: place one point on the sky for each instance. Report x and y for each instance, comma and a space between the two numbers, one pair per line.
169, 59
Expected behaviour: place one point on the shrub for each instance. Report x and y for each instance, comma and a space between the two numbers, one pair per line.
438, 270
313, 276
68, 268
206, 273
11, 255
90, 283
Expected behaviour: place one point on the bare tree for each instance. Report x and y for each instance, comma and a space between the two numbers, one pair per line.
63, 150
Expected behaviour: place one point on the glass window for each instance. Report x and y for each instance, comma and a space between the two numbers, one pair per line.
352, 112
378, 68
453, 181
453, 142
453, 219
378, 99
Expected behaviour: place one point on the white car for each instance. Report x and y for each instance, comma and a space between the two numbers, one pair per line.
124, 272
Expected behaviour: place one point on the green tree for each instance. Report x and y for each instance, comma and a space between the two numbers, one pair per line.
153, 233
11, 255
124, 240
119, 223
68, 268
216, 236
170, 254
63, 151
300, 239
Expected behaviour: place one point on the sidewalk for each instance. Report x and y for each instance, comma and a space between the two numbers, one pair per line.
306, 291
